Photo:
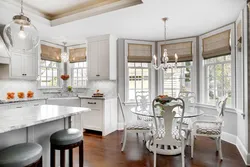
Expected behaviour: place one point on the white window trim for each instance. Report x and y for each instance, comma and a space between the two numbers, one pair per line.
202, 64
193, 68
60, 68
152, 79
70, 65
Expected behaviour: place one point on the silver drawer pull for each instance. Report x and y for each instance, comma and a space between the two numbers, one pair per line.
91, 102
19, 107
36, 104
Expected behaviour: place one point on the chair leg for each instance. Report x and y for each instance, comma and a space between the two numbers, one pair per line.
183, 153
217, 144
62, 158
220, 150
52, 156
70, 157
192, 146
154, 155
81, 158
124, 140
41, 162
144, 137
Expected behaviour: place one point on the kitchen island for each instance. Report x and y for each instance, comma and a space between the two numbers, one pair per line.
36, 124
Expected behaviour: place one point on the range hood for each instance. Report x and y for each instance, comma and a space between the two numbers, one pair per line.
4, 53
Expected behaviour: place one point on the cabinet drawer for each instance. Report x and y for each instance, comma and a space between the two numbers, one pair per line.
18, 105
93, 120
36, 103
92, 104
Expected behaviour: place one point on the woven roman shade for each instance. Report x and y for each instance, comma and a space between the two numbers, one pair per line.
77, 55
183, 50
50, 53
141, 53
216, 45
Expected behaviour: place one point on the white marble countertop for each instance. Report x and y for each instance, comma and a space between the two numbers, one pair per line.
22, 100
95, 98
12, 119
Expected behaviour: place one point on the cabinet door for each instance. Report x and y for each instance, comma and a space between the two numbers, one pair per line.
29, 65
93, 120
16, 66
93, 52
103, 59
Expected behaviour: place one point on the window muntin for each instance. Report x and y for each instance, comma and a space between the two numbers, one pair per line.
177, 79
79, 74
138, 79
49, 73
218, 79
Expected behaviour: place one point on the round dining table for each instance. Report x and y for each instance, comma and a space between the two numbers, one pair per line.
166, 149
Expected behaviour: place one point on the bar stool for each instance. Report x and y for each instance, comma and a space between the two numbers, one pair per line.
66, 139
21, 155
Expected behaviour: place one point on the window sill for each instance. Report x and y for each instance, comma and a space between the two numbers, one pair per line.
209, 106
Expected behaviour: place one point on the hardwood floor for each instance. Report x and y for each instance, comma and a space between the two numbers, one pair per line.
105, 152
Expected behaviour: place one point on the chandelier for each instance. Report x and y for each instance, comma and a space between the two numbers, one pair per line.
164, 65
20, 34
64, 55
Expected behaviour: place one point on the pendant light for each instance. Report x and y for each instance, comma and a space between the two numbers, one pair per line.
164, 64
65, 55
20, 34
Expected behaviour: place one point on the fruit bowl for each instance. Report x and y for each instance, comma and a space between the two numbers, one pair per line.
65, 77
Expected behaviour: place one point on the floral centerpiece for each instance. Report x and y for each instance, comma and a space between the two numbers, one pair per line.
162, 99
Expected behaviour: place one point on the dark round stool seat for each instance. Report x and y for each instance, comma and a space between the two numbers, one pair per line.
20, 155
66, 137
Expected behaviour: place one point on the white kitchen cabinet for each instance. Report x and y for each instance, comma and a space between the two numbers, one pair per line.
102, 117
102, 58
22, 104
23, 66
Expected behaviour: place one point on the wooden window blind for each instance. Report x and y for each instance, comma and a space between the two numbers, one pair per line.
77, 55
216, 45
139, 53
50, 53
183, 50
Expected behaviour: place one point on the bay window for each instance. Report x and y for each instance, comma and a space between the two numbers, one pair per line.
138, 72
177, 79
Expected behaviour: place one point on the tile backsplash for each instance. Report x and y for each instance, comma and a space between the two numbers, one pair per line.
106, 87
18, 86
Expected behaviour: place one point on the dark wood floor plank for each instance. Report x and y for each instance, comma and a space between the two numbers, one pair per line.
105, 152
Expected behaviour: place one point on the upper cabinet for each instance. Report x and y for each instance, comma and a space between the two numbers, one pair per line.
23, 66
101, 58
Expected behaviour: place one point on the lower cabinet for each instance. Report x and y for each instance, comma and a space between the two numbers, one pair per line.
102, 117
22, 104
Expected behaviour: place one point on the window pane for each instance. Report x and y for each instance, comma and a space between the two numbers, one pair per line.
138, 64
54, 64
55, 81
227, 69
138, 79
131, 64
48, 63
49, 72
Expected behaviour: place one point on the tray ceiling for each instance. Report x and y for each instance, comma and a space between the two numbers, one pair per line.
55, 9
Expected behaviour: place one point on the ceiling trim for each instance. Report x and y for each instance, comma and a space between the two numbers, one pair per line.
92, 8
96, 11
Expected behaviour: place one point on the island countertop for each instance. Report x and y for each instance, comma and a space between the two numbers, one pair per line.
13, 119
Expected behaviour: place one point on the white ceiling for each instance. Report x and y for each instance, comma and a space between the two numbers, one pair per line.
186, 18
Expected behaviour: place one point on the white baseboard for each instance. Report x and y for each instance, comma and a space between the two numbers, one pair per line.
243, 152
120, 126
228, 138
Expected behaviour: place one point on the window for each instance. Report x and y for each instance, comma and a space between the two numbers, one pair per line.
177, 79
49, 73
79, 74
138, 78
218, 79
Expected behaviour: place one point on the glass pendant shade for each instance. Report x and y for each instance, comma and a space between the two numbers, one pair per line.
20, 34
65, 55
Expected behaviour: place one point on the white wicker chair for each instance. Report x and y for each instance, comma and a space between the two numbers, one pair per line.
210, 126
165, 132
132, 127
